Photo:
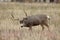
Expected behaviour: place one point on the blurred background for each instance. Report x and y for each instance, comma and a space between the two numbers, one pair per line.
46, 1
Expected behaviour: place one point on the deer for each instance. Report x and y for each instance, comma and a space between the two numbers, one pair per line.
35, 20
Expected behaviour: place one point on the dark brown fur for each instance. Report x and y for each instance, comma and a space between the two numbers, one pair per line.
35, 20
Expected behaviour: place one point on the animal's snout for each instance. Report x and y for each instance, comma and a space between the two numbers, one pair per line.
21, 26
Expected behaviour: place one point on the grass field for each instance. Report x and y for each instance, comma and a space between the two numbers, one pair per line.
10, 29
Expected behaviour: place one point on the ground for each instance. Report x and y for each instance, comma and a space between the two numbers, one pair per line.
10, 28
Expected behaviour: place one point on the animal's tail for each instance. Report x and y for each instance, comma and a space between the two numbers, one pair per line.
48, 17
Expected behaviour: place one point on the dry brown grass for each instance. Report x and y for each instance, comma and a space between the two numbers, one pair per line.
10, 28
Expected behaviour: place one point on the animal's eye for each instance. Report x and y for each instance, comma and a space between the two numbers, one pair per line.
25, 18
21, 21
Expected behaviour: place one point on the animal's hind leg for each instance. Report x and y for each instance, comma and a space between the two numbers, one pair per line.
47, 26
42, 27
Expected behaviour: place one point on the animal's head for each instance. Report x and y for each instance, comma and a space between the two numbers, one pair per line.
24, 19
21, 21
24, 24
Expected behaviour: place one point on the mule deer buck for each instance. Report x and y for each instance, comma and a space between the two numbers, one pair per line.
34, 20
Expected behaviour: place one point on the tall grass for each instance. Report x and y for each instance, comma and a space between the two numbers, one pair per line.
10, 29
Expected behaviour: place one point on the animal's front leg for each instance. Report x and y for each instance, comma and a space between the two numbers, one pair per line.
30, 28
